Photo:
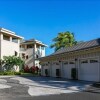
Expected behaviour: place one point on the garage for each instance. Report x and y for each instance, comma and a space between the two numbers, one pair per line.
89, 69
56, 69
67, 66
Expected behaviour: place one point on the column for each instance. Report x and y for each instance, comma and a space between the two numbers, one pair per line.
40, 51
10, 39
34, 54
61, 68
1, 36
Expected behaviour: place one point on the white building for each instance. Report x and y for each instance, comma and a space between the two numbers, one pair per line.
85, 57
30, 50
9, 43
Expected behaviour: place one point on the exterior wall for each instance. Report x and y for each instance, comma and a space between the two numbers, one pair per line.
8, 48
30, 61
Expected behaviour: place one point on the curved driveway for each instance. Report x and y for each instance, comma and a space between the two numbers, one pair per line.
36, 88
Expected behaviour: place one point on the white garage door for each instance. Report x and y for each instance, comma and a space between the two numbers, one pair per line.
67, 66
89, 69
55, 67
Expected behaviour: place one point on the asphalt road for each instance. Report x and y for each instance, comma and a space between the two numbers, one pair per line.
20, 92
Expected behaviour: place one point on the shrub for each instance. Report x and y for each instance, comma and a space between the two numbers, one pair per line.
73, 73
26, 69
8, 73
17, 73
9, 62
1, 73
33, 69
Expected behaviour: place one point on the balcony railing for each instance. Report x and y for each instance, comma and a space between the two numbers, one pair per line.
22, 49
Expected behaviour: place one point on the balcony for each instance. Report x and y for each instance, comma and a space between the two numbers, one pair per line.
22, 49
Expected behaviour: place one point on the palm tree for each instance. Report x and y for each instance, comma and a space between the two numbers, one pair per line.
64, 39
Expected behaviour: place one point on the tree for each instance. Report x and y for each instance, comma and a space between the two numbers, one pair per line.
64, 39
10, 61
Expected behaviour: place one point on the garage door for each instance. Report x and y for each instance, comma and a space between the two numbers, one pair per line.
89, 69
55, 69
67, 66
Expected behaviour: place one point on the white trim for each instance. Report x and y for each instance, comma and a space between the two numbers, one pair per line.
5, 31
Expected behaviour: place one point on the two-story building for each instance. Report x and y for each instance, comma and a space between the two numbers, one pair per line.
30, 50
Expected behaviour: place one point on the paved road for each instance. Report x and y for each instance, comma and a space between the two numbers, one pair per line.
37, 88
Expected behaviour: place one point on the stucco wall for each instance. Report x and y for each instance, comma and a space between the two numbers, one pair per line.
30, 60
8, 48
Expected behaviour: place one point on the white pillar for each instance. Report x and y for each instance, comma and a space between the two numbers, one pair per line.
1, 36
42, 70
50, 68
61, 68
34, 54
10, 39
40, 50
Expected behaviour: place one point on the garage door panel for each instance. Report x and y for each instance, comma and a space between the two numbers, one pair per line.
67, 69
54, 67
89, 70
89, 77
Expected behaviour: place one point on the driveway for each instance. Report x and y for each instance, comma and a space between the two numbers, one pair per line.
33, 88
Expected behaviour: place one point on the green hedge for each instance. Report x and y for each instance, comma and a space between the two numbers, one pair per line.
10, 73
17, 73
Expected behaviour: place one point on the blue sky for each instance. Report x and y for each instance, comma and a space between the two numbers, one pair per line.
43, 19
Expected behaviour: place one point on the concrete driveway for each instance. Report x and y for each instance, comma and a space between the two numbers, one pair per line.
29, 87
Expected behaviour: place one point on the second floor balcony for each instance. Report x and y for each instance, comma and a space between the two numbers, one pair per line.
22, 49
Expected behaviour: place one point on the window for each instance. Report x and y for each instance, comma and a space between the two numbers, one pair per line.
27, 57
71, 62
93, 61
57, 63
84, 61
6, 37
23, 55
42, 48
37, 56
16, 53
65, 63
15, 40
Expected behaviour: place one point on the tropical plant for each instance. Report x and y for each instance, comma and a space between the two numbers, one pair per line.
64, 39
9, 62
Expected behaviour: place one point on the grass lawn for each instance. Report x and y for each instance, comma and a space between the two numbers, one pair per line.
27, 74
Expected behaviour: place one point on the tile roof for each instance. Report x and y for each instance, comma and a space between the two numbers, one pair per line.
80, 46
